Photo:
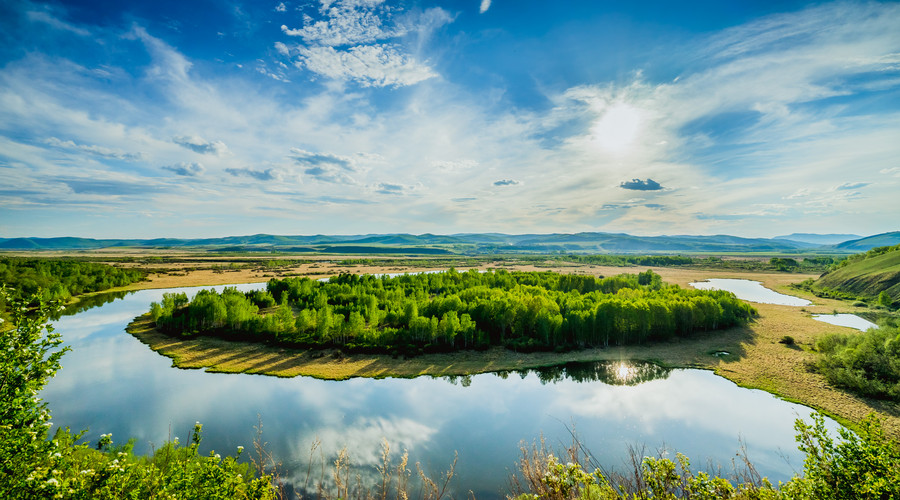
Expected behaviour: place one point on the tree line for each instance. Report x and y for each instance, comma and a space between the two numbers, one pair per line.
453, 310
57, 279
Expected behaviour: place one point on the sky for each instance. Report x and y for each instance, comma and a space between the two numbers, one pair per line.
188, 119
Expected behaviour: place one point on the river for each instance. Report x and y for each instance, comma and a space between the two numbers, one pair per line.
110, 382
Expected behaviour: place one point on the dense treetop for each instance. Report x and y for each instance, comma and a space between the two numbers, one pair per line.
54, 279
454, 310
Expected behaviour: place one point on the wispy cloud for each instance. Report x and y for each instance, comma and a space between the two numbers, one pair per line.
47, 18
485, 5
269, 174
368, 65
95, 150
326, 167
186, 169
200, 145
393, 189
848, 186
507, 182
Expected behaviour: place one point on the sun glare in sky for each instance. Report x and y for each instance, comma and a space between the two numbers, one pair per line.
617, 129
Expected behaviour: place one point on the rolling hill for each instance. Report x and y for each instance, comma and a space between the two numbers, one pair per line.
866, 275
870, 242
470, 243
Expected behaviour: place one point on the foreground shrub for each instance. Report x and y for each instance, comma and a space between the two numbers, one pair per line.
866, 363
865, 464
33, 466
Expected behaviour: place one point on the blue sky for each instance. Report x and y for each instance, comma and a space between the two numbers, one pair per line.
203, 119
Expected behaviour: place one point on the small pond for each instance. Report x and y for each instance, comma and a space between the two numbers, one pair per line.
751, 291
849, 320
110, 382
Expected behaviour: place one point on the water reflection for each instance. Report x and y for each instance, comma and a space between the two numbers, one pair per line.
86, 302
110, 382
607, 372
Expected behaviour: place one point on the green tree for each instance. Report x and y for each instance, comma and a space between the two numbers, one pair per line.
31, 355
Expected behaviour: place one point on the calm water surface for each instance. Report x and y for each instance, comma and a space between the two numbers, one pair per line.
850, 320
110, 382
751, 291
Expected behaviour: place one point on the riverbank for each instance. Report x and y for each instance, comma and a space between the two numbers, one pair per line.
755, 359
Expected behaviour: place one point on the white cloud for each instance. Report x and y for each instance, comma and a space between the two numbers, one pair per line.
95, 150
800, 193
282, 49
186, 169
345, 23
368, 65
200, 145
327, 167
269, 174
485, 5
47, 18
347, 43
454, 166
394, 189
848, 186
281, 7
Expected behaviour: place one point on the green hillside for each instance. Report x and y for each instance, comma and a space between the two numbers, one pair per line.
865, 275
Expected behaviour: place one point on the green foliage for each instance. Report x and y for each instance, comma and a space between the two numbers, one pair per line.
867, 363
35, 467
54, 279
784, 264
173, 471
31, 355
525, 311
865, 464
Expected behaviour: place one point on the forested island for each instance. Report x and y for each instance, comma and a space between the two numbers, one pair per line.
447, 311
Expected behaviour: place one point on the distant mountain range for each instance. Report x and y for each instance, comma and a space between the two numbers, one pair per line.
820, 239
480, 243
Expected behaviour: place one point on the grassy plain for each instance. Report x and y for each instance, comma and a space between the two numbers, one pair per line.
755, 357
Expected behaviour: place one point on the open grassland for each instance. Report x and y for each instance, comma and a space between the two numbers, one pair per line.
755, 357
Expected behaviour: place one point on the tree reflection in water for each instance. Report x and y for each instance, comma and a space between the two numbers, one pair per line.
608, 372
86, 302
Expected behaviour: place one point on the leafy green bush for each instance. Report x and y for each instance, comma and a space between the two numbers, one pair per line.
866, 363
33, 466
858, 465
